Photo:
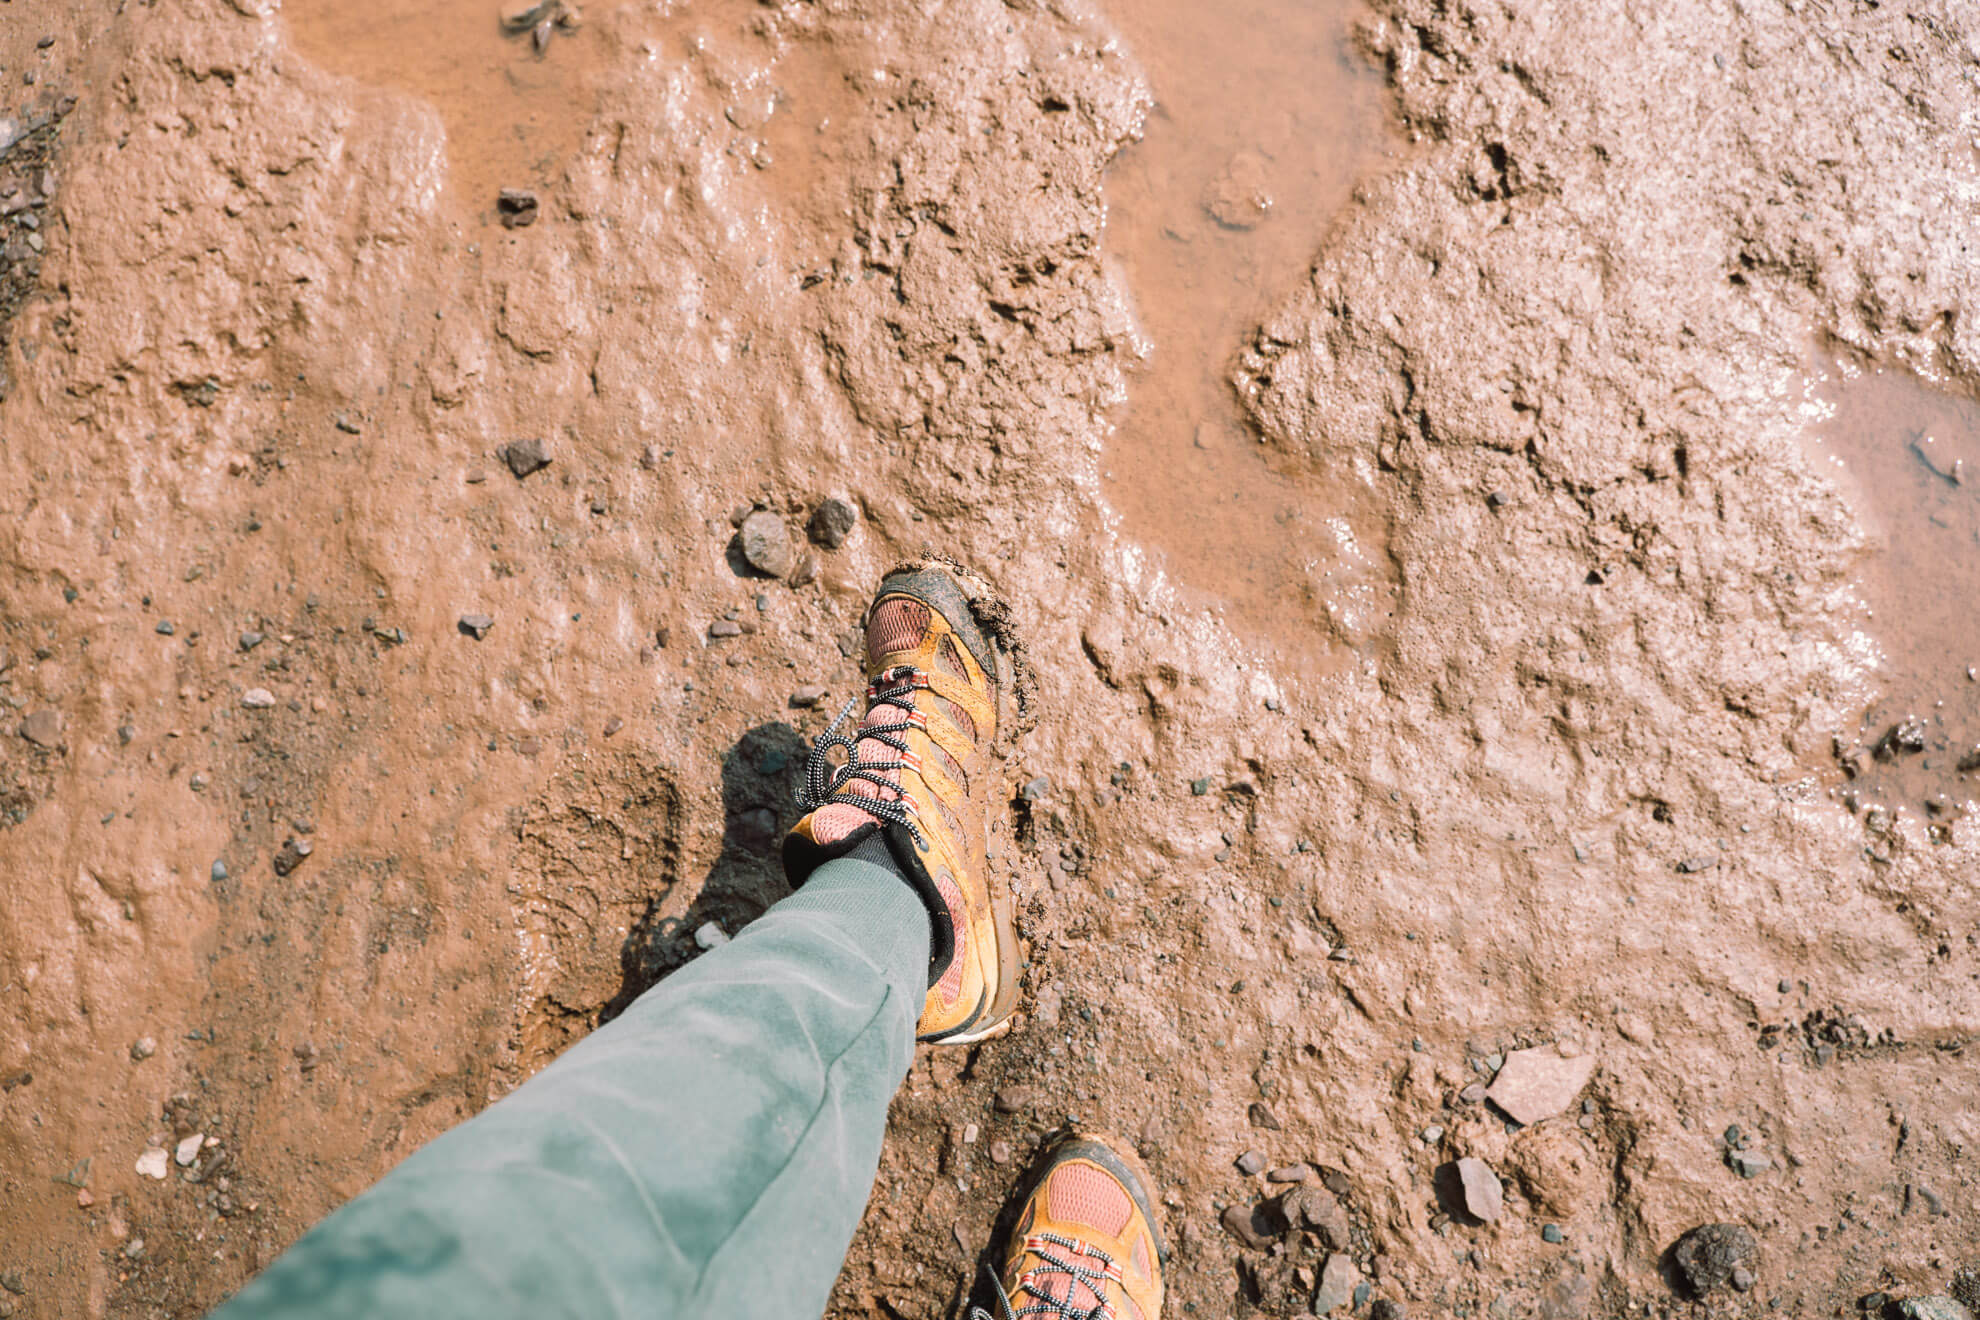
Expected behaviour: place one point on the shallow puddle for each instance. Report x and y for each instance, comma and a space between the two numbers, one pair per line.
512, 114
1908, 455
1263, 120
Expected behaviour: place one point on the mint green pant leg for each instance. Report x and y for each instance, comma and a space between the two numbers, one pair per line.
706, 1154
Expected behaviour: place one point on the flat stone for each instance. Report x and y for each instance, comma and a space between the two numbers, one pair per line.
188, 1150
524, 457
725, 628
1750, 1163
476, 625
154, 1163
807, 696
1013, 1100
1256, 1225
250, 640
1261, 1116
1337, 1284
1537, 1084
257, 698
1484, 1195
766, 543
1289, 1173
43, 728
1314, 1207
1250, 1163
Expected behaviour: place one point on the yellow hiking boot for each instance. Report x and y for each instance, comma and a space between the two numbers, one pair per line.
924, 770
1085, 1242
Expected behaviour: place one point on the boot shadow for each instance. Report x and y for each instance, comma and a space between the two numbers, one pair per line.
760, 775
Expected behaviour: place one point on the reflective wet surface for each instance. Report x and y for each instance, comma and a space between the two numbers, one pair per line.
1263, 120
1908, 456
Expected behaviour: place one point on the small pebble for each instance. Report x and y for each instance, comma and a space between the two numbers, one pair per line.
1250, 1163
1552, 1233
807, 696
1431, 1135
710, 935
1200, 787
165, 628
154, 1163
188, 1150
143, 1048
257, 698
725, 628
476, 625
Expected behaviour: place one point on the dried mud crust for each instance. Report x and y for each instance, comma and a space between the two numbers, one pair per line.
1569, 793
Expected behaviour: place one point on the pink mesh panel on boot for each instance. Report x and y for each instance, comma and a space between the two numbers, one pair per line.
950, 985
960, 718
898, 625
1084, 1194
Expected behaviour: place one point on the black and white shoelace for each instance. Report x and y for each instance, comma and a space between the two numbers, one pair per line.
825, 783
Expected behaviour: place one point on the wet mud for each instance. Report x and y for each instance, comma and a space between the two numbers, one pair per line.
388, 702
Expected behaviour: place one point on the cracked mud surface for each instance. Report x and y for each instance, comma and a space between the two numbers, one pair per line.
1587, 385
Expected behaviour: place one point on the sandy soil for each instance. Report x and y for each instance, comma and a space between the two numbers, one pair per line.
1536, 727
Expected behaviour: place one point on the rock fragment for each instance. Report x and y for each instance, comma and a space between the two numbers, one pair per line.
523, 15
257, 698
1538, 1083
832, 522
1385, 1309
1926, 1308
1315, 1207
187, 1150
1337, 1284
154, 1163
143, 1048
291, 855
766, 543
43, 728
476, 625
807, 696
1256, 1225
1261, 1116
1250, 1163
250, 640
516, 207
710, 935
1484, 1195
524, 457
1706, 1257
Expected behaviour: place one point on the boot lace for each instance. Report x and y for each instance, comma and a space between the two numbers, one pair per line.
1052, 1266
825, 783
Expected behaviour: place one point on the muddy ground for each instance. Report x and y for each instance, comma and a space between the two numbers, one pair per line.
1545, 738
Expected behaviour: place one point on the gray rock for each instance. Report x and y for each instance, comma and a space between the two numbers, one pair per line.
1036, 789
807, 696
710, 935
476, 625
257, 698
1933, 1308
143, 1048
219, 871
832, 522
1289, 1173
1261, 1116
1484, 1195
165, 628
524, 457
725, 628
1551, 1234
1337, 1284
250, 640
1250, 1163
1706, 1257
1385, 1309
766, 544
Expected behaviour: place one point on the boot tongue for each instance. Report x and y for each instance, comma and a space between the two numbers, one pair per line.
838, 819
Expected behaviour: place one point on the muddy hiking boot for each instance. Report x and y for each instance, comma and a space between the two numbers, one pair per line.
923, 773
1085, 1242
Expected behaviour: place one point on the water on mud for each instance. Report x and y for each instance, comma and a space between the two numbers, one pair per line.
1909, 456
1263, 120
512, 114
